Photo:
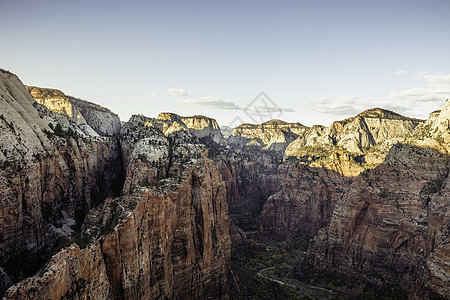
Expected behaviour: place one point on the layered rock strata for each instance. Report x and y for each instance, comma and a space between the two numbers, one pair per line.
49, 179
390, 228
167, 238
92, 118
272, 135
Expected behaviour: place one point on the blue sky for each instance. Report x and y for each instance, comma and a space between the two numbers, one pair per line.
319, 61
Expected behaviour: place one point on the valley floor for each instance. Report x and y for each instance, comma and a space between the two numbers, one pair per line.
268, 269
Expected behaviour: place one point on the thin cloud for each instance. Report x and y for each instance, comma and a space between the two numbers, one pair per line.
351, 106
154, 94
211, 101
416, 102
400, 73
177, 92
436, 88
269, 109
347, 106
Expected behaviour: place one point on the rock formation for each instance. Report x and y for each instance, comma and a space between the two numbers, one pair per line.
167, 235
273, 134
165, 240
91, 208
49, 179
390, 227
199, 126
89, 116
378, 226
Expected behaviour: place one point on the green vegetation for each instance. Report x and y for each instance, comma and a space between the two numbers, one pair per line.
45, 93
258, 263
314, 153
273, 260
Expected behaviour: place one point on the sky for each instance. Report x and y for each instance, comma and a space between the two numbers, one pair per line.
315, 61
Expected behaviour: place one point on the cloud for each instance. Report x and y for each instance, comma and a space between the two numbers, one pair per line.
211, 101
177, 92
432, 90
154, 94
400, 72
351, 106
435, 88
347, 106
268, 109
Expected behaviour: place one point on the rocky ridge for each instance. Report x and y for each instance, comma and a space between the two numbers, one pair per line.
92, 119
272, 135
199, 126
359, 182
390, 226
169, 226
167, 238
49, 179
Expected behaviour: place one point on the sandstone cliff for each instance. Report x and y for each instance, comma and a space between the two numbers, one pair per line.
92, 118
363, 141
49, 179
167, 237
273, 134
390, 227
199, 126
381, 228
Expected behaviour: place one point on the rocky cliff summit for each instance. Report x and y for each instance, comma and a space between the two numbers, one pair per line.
199, 126
273, 134
92, 118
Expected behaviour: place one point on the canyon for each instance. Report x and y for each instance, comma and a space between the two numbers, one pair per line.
154, 208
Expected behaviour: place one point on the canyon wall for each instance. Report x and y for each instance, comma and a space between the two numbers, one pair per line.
390, 227
48, 181
166, 236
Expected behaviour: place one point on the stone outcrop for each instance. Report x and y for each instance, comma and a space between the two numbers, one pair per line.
167, 235
390, 227
360, 142
168, 238
272, 135
49, 179
101, 119
304, 203
93, 119
200, 126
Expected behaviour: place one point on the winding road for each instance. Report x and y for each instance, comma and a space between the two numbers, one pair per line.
298, 285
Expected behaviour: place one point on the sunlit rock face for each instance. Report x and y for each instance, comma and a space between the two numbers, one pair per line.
355, 144
272, 135
93, 119
391, 225
199, 126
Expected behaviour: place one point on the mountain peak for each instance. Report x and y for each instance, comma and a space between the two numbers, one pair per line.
381, 113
